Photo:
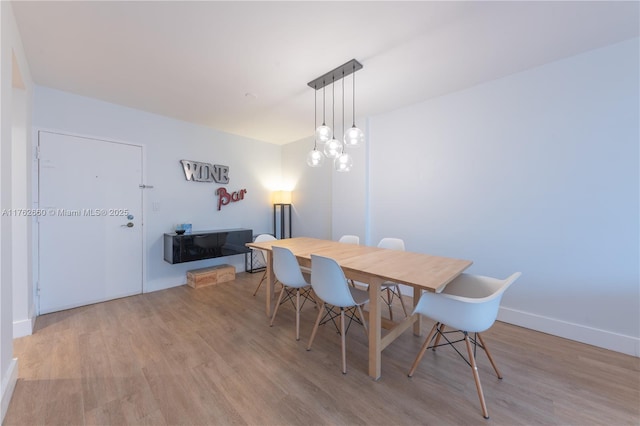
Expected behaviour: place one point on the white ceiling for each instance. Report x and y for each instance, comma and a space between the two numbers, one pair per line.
243, 67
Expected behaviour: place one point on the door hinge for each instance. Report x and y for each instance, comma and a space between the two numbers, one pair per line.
38, 152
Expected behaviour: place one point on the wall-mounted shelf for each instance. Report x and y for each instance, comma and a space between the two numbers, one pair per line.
206, 245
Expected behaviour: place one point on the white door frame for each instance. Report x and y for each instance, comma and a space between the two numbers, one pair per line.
36, 204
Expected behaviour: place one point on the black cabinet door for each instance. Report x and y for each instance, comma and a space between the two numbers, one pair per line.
205, 245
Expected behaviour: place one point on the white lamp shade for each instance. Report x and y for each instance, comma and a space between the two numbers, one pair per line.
353, 137
315, 158
282, 197
343, 163
333, 148
323, 133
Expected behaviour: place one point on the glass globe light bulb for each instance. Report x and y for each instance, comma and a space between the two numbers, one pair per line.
315, 158
343, 163
323, 133
333, 148
353, 137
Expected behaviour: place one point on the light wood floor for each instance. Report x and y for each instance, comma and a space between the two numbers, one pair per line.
208, 356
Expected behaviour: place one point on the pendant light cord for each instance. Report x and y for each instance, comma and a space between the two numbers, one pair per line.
323, 104
315, 117
343, 107
333, 106
354, 95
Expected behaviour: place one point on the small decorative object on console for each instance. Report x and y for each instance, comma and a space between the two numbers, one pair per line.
183, 228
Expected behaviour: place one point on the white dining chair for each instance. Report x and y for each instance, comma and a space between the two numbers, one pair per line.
330, 286
349, 239
388, 288
468, 304
287, 271
259, 239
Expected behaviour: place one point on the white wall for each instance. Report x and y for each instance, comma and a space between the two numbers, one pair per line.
311, 197
21, 186
15, 107
350, 193
536, 172
254, 165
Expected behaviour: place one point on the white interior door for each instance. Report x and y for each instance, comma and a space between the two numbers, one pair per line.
90, 227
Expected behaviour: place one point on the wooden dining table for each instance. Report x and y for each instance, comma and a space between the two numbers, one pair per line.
374, 266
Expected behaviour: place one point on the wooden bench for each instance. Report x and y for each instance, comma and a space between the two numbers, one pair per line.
208, 276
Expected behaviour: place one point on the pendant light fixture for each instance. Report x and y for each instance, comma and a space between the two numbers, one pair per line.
334, 148
343, 162
354, 137
323, 133
315, 157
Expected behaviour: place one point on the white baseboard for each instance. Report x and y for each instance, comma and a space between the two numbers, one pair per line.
23, 327
601, 338
9, 380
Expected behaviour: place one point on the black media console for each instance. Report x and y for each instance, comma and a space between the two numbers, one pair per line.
206, 244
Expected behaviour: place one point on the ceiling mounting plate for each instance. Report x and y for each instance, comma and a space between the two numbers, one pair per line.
335, 74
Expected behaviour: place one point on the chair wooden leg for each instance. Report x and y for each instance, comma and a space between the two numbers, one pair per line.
438, 337
275, 311
422, 350
298, 314
389, 303
404, 308
315, 299
343, 342
315, 327
264, 277
364, 323
489, 356
476, 376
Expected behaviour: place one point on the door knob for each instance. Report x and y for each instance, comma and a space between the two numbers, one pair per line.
128, 225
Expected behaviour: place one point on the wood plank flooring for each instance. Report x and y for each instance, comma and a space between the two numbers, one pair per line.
208, 357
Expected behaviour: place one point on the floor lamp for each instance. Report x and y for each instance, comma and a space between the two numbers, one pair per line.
282, 205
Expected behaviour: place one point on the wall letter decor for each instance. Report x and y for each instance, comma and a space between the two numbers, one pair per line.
205, 172
225, 198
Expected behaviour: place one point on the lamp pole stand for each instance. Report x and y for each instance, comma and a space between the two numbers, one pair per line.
285, 216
